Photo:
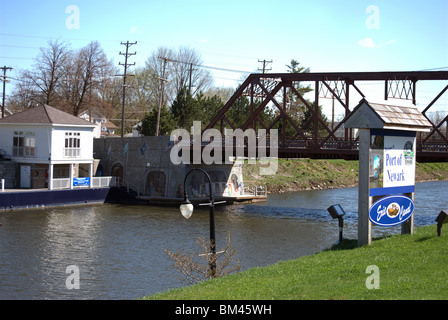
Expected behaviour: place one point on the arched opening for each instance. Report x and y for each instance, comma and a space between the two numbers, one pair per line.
155, 184
117, 171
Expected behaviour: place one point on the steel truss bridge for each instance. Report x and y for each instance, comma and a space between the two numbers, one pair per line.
314, 138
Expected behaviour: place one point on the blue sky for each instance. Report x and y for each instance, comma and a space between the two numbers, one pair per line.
324, 35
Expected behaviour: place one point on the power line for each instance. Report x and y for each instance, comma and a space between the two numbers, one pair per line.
125, 65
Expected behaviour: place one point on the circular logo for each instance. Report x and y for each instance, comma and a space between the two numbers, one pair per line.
393, 210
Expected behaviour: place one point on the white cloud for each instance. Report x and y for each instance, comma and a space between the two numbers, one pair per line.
135, 30
369, 43
386, 43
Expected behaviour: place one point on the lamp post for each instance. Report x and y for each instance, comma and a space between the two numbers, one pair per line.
186, 208
337, 212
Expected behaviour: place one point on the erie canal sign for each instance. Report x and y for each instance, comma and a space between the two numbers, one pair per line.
387, 139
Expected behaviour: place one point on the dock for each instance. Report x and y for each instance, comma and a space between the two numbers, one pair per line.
16, 199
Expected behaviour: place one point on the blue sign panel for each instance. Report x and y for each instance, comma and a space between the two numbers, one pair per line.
81, 182
391, 211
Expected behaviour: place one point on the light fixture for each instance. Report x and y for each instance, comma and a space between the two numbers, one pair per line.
441, 219
336, 212
186, 208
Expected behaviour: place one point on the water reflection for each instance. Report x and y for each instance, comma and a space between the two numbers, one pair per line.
120, 250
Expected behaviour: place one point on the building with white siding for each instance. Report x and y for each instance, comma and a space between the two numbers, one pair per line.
52, 148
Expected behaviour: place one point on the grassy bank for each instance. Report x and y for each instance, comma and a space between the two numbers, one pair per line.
307, 174
409, 267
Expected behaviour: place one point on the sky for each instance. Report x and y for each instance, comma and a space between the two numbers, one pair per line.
323, 35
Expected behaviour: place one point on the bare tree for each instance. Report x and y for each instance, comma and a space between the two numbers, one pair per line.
24, 95
83, 74
195, 266
43, 82
107, 93
183, 70
154, 70
189, 73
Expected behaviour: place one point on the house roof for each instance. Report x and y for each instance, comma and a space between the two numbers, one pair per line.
381, 116
95, 114
44, 115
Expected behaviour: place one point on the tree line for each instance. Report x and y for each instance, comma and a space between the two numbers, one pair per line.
75, 80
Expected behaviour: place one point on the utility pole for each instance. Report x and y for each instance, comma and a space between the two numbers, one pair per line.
4, 88
265, 62
162, 85
125, 64
191, 73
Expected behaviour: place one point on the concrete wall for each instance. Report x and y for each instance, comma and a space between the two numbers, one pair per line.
144, 163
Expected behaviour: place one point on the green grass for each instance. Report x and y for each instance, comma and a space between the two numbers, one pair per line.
303, 174
410, 267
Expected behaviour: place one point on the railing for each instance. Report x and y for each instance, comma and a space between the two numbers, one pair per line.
103, 182
61, 183
117, 182
72, 152
256, 191
97, 182
227, 189
25, 152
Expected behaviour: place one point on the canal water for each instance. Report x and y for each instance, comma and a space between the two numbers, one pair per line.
120, 250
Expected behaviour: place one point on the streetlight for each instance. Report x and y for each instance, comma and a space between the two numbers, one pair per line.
186, 208
337, 212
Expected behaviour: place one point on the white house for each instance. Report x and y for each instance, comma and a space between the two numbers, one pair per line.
52, 148
103, 127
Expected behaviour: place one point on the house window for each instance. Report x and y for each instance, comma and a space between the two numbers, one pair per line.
24, 144
72, 145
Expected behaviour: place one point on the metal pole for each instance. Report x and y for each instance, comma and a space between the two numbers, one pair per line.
212, 220
161, 94
341, 228
126, 64
4, 88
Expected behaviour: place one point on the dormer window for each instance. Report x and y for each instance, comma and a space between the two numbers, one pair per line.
72, 145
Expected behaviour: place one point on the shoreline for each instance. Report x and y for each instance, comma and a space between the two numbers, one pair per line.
329, 187
306, 175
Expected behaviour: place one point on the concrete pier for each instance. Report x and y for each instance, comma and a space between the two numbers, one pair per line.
143, 166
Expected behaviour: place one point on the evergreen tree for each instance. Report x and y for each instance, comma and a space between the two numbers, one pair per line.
185, 109
149, 122
308, 117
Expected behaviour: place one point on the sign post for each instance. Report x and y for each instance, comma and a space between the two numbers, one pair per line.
387, 157
364, 200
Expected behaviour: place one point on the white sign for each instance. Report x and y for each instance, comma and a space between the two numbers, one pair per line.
399, 161
392, 162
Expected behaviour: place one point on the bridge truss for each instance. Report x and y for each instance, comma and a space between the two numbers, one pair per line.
315, 136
